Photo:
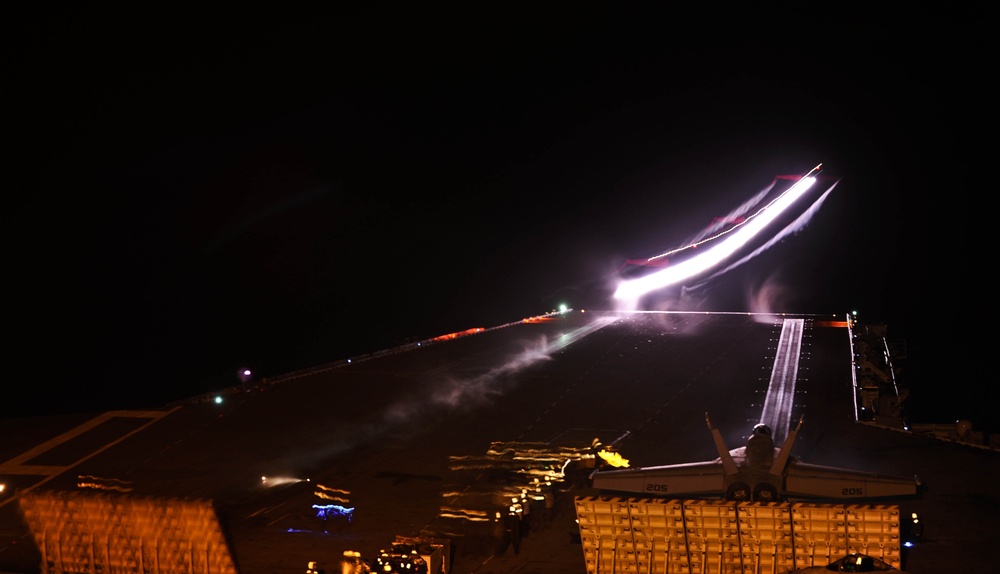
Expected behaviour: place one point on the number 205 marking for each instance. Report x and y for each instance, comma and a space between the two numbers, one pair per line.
656, 487
853, 492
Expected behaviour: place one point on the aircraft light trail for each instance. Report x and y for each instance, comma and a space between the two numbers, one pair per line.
734, 239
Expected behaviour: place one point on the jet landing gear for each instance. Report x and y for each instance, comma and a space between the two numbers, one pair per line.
765, 492
738, 492
741, 492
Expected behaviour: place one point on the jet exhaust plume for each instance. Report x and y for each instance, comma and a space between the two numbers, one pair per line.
441, 396
723, 240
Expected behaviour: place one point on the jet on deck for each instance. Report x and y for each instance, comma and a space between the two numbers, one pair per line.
758, 472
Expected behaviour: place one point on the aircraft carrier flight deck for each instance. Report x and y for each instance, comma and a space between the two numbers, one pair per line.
431, 440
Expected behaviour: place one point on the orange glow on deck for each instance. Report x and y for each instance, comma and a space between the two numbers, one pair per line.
458, 334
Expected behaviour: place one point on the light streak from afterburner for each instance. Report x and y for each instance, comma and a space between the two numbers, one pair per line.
799, 222
735, 238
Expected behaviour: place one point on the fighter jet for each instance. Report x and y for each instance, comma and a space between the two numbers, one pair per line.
758, 472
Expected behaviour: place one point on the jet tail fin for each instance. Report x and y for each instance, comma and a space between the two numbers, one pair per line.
728, 464
786, 450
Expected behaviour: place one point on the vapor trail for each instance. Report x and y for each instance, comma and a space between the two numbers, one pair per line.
726, 243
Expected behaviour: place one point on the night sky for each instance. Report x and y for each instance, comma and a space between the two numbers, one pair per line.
199, 193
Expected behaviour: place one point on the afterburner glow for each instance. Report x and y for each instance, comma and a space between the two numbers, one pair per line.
719, 252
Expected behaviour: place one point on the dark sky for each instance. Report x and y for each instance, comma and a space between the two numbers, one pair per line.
197, 193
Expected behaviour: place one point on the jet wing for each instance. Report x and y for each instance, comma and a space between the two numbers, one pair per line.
757, 471
695, 478
815, 481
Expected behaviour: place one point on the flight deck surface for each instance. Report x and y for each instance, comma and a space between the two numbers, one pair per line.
385, 435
